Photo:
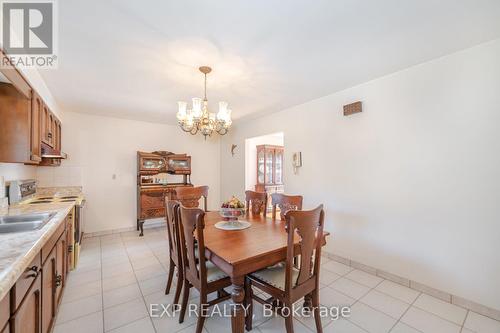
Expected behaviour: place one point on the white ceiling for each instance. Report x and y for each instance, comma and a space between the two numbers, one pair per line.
136, 59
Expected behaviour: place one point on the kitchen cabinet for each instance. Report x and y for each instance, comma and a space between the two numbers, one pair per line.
15, 110
32, 304
49, 272
27, 123
35, 129
4, 314
27, 317
61, 260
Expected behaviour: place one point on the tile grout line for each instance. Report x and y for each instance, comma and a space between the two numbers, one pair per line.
180, 329
357, 300
143, 297
408, 309
411, 304
465, 319
137, 280
102, 287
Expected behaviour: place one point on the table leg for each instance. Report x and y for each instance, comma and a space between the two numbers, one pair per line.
238, 296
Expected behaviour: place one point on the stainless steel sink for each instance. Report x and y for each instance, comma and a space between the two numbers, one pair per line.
24, 222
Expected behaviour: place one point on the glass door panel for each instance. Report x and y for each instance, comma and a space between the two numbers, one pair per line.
152, 163
269, 166
279, 167
260, 167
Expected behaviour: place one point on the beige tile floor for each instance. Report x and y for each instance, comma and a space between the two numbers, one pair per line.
119, 275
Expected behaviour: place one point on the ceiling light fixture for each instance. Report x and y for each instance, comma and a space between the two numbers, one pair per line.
199, 119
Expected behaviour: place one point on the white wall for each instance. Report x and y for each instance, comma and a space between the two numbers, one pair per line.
251, 156
99, 147
411, 185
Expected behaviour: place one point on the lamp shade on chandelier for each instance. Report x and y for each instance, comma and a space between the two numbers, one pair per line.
199, 118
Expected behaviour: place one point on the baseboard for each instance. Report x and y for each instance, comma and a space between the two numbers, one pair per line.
149, 225
447, 297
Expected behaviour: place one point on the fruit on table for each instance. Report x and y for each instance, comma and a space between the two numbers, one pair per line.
233, 203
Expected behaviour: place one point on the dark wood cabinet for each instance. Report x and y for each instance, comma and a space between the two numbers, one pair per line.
49, 272
27, 317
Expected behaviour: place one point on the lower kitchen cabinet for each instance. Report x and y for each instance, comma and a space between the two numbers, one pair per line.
61, 259
49, 272
32, 304
4, 314
27, 318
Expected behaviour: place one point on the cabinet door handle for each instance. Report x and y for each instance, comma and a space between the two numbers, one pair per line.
35, 271
49, 135
58, 280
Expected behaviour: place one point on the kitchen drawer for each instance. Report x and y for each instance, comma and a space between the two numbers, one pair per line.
4, 312
25, 281
47, 248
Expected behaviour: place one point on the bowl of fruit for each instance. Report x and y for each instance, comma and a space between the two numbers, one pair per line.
232, 209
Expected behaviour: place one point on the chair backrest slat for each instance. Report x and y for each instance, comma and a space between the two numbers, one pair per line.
308, 226
285, 203
190, 196
257, 201
172, 219
192, 225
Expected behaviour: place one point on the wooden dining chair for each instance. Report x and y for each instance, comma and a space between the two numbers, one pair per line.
198, 272
258, 202
287, 284
174, 247
285, 203
190, 196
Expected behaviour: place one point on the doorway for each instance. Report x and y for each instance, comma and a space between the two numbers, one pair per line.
254, 175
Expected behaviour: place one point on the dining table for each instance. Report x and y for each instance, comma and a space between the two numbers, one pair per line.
240, 252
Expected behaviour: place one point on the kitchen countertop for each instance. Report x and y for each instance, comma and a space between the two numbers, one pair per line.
17, 250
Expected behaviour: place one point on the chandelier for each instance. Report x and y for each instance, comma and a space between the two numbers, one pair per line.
199, 119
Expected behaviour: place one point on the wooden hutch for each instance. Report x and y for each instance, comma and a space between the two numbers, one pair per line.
152, 184
269, 169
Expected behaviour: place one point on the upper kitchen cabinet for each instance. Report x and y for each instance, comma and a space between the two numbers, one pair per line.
15, 115
31, 133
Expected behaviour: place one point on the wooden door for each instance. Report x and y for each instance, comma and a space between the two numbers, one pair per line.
36, 127
49, 270
70, 248
5, 314
14, 125
58, 136
50, 129
27, 318
61, 253
45, 124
